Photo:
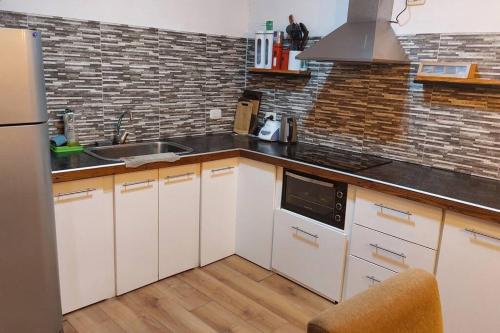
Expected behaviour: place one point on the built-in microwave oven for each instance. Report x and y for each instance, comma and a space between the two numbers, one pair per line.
319, 199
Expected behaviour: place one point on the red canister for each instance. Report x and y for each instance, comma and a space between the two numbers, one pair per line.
285, 55
277, 56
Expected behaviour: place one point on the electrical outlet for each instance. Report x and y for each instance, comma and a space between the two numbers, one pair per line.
271, 114
416, 2
215, 114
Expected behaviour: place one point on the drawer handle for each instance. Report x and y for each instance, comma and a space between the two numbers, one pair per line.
138, 183
222, 169
305, 232
189, 174
373, 279
382, 207
377, 247
475, 233
86, 191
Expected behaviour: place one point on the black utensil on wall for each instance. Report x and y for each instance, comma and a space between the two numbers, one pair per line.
305, 37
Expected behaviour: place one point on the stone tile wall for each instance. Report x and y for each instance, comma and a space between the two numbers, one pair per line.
171, 80
168, 80
378, 109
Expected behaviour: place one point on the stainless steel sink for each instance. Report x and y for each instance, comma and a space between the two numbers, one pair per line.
115, 153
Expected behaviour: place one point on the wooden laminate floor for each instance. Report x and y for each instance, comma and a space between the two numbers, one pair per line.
232, 295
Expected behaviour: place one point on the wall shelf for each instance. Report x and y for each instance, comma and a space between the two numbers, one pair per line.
306, 73
448, 80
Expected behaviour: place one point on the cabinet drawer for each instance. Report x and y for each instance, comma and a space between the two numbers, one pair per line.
309, 252
390, 252
406, 219
363, 275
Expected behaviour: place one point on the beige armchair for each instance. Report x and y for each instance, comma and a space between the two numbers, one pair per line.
406, 303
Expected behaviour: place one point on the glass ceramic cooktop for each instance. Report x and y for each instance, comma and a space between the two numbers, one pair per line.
334, 158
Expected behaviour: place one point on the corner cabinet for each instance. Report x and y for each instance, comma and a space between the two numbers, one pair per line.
218, 210
136, 229
468, 274
255, 211
85, 241
179, 219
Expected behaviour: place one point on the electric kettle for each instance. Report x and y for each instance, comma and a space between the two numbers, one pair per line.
288, 130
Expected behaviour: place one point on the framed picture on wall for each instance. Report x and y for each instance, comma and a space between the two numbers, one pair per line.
447, 69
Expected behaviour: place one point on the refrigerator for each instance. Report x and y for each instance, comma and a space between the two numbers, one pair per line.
29, 283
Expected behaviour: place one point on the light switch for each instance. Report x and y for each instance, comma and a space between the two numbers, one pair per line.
215, 114
267, 114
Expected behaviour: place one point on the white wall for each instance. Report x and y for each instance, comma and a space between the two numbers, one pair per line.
222, 17
320, 16
244, 17
450, 16
323, 16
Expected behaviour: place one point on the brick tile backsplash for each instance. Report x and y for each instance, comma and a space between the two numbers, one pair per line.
378, 109
168, 80
171, 80
130, 80
73, 72
225, 79
183, 64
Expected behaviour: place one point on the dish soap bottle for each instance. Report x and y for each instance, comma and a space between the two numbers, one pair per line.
69, 127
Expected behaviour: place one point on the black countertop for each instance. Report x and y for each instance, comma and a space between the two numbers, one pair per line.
468, 189
75, 161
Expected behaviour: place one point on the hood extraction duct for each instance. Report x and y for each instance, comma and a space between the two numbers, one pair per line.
366, 37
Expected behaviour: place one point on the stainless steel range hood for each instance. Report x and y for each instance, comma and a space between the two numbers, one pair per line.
366, 37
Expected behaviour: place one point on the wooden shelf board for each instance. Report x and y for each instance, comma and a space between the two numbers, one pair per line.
444, 80
279, 72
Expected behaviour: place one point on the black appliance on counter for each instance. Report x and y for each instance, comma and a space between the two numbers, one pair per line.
319, 199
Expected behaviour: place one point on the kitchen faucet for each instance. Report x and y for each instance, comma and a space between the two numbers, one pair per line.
118, 137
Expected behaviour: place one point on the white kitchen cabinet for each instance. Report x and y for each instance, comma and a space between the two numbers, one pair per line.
255, 211
390, 252
218, 210
364, 275
468, 274
85, 241
179, 219
406, 219
310, 253
136, 231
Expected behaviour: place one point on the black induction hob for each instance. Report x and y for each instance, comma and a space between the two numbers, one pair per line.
337, 159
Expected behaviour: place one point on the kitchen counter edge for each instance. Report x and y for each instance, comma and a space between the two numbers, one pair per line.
447, 203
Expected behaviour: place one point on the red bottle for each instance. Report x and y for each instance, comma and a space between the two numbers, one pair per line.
277, 56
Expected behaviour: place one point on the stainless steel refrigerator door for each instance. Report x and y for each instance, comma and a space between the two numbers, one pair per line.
22, 87
29, 283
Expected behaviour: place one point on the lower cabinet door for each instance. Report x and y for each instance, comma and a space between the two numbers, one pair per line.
310, 253
136, 230
85, 241
468, 274
218, 210
179, 219
362, 275
255, 211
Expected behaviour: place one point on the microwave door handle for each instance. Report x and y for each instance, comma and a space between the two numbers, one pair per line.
309, 180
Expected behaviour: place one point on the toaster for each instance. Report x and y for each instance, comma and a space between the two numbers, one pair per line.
270, 131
